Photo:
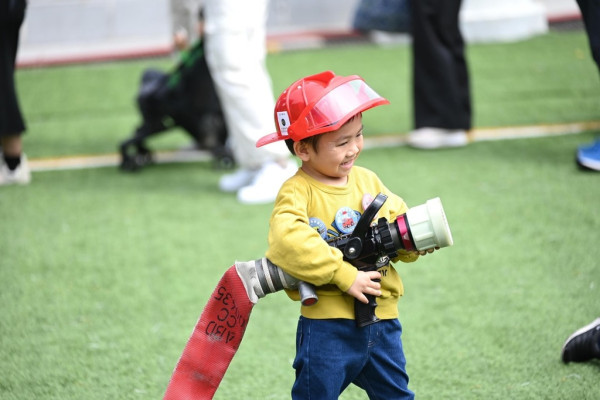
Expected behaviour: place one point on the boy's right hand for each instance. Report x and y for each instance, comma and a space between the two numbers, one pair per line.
364, 284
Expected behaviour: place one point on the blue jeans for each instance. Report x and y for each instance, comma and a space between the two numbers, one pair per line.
332, 353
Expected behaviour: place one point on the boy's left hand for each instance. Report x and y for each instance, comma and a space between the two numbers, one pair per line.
425, 252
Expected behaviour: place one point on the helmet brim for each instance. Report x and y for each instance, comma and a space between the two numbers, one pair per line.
270, 138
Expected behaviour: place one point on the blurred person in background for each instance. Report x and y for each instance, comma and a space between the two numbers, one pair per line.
13, 164
186, 30
588, 156
235, 34
441, 90
583, 345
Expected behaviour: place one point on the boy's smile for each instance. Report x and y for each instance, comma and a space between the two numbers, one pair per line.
333, 159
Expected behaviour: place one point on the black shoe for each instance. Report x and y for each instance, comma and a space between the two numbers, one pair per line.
584, 344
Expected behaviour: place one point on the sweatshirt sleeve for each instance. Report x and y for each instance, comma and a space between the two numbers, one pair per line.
298, 249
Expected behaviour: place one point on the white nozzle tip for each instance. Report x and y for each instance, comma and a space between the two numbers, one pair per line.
429, 226
439, 222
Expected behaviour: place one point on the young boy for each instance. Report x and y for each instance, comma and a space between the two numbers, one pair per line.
320, 118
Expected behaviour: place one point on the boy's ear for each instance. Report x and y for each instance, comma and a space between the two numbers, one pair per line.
301, 150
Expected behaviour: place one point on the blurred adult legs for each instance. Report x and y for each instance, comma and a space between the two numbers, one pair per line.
588, 156
441, 90
13, 164
235, 32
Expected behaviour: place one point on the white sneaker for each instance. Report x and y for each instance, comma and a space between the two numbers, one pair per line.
235, 181
436, 138
20, 176
266, 183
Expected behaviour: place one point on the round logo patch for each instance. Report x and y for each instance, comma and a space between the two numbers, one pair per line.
318, 226
345, 220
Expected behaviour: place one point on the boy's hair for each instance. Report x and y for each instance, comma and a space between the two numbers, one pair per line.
313, 141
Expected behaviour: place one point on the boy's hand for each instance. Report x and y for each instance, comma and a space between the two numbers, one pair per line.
425, 252
364, 284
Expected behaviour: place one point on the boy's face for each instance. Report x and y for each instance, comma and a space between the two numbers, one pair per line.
335, 154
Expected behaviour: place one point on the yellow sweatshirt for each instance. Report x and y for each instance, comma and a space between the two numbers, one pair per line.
307, 211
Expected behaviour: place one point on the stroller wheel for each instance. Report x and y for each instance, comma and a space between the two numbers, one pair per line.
223, 159
224, 163
128, 164
133, 161
143, 158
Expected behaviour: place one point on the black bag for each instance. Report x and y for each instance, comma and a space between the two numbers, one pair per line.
383, 15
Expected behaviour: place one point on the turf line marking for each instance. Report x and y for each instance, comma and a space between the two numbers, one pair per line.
522, 132
180, 156
113, 160
502, 133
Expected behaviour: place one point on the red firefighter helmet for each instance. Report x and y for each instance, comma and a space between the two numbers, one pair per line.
320, 103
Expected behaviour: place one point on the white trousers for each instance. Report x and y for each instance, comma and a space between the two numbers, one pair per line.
235, 34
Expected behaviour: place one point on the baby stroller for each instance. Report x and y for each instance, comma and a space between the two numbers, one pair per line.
183, 98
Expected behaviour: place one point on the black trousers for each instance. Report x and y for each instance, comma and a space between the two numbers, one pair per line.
590, 11
441, 90
12, 13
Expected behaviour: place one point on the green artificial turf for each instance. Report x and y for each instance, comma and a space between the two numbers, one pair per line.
103, 274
